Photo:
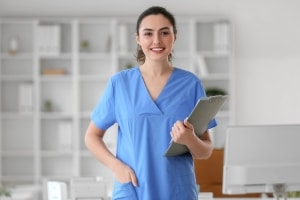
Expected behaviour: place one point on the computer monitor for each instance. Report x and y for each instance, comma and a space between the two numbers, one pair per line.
262, 159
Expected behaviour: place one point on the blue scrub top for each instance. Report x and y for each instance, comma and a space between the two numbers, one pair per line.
144, 133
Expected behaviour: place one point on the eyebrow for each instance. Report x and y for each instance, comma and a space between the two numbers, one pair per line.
163, 28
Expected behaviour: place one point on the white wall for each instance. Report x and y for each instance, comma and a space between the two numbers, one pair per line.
266, 43
267, 62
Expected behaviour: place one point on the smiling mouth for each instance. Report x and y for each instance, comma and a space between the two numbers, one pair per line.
157, 49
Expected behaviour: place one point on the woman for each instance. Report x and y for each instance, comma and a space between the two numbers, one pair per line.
150, 103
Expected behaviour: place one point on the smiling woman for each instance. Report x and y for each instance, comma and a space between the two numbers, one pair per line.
150, 103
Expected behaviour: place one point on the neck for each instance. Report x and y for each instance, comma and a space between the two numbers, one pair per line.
156, 69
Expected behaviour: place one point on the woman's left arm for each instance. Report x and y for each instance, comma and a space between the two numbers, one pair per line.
183, 133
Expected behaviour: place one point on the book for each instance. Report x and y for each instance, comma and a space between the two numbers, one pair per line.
65, 136
203, 113
123, 39
48, 40
201, 66
221, 37
25, 98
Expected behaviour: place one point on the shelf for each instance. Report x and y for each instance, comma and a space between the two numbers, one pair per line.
94, 55
20, 179
56, 115
214, 77
16, 115
17, 78
19, 153
94, 78
213, 54
18, 56
56, 153
60, 56
56, 78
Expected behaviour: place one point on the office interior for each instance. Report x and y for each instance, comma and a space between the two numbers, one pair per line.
264, 68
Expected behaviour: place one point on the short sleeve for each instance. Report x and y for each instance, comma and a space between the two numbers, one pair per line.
103, 114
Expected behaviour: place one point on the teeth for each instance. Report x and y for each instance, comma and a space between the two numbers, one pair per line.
157, 49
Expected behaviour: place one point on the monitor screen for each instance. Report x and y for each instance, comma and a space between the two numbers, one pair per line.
262, 159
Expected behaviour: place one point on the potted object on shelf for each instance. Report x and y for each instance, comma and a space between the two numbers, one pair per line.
48, 105
4, 192
218, 139
51, 71
294, 194
215, 91
85, 45
129, 65
13, 46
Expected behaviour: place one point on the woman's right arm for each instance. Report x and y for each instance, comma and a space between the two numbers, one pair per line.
95, 144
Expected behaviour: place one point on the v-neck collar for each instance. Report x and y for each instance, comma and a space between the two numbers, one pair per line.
163, 89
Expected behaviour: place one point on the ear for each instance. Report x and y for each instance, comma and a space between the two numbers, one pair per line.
137, 38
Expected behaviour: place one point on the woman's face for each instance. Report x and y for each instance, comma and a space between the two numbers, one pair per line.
156, 37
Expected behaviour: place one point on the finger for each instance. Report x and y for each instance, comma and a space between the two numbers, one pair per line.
133, 179
179, 125
175, 128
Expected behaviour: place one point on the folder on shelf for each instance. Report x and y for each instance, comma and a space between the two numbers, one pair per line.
48, 40
204, 111
25, 97
65, 136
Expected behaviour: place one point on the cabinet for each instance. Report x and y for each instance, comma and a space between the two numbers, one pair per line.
17, 130
47, 97
209, 175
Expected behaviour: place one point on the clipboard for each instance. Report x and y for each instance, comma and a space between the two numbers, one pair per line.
204, 111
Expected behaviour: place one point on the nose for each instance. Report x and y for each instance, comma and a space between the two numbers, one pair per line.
156, 38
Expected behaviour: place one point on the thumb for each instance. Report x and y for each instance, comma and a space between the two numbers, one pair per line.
133, 179
187, 124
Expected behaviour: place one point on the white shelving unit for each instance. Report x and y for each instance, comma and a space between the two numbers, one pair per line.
37, 143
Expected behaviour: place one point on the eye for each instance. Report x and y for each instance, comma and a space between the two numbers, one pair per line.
147, 33
164, 33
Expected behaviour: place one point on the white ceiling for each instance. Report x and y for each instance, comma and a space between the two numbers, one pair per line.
105, 7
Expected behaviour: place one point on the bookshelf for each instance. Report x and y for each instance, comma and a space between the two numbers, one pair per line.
47, 139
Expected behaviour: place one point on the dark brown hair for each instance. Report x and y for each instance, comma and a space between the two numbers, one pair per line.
154, 10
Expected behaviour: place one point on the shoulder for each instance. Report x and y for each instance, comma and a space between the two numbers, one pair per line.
187, 79
185, 74
191, 83
125, 75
